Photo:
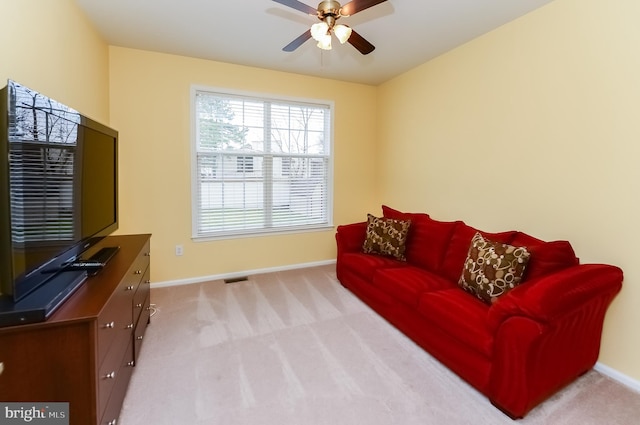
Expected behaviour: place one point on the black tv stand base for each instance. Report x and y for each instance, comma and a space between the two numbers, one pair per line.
42, 302
103, 256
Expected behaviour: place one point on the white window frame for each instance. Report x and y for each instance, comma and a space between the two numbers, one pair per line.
197, 234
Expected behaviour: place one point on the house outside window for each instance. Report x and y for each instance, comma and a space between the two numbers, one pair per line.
245, 164
261, 164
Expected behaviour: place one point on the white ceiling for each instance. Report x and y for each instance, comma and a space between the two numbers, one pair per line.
406, 33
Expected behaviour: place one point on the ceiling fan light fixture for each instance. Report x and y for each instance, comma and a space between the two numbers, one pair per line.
325, 42
342, 32
319, 31
328, 12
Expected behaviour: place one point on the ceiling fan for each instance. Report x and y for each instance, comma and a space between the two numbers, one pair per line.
328, 12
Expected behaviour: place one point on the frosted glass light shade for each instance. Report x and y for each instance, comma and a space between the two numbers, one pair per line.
325, 42
342, 32
319, 30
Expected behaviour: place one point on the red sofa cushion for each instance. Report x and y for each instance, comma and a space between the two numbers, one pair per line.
389, 212
427, 239
406, 284
458, 248
459, 315
546, 257
365, 265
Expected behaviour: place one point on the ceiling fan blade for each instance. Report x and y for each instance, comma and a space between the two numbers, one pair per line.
298, 6
363, 46
298, 41
356, 6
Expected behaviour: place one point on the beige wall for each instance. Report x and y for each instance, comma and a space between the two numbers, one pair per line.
150, 96
49, 46
536, 127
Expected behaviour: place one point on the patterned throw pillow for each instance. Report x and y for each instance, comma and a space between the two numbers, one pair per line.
492, 268
386, 236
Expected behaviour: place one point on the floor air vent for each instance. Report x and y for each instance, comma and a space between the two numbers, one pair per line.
236, 279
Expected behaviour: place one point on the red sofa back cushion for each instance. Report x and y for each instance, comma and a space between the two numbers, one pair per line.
427, 239
442, 246
546, 257
458, 248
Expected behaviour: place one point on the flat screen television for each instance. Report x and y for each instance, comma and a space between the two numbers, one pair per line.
58, 191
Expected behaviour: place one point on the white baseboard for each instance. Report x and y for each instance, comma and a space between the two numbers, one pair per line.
617, 376
239, 274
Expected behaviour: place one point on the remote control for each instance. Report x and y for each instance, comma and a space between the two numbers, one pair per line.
83, 265
86, 264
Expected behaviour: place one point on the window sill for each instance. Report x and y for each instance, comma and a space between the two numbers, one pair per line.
260, 233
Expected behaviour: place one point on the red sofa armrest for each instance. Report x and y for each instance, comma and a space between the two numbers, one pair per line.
548, 333
350, 237
553, 295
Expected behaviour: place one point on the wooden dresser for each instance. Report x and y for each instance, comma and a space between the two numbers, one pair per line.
85, 352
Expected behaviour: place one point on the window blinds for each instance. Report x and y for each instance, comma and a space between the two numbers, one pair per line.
261, 165
42, 199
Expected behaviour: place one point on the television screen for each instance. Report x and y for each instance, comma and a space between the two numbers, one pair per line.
58, 187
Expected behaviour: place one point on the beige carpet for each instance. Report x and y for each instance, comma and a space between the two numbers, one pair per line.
297, 348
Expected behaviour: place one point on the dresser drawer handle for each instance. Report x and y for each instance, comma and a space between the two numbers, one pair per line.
110, 325
113, 422
147, 281
139, 305
131, 363
139, 338
1, 367
130, 326
130, 288
110, 375
138, 272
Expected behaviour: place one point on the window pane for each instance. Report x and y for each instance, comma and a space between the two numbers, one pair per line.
300, 190
298, 129
229, 198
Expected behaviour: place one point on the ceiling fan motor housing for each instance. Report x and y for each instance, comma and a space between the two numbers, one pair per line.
329, 12
329, 8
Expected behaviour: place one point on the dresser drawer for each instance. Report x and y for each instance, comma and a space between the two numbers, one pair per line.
114, 322
110, 410
142, 293
141, 263
110, 371
133, 279
141, 327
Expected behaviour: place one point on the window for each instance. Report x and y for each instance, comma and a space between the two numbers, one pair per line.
261, 165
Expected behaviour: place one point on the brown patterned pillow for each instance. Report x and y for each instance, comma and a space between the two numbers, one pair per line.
386, 236
492, 268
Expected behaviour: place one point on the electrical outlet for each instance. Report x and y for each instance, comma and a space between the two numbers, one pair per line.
179, 250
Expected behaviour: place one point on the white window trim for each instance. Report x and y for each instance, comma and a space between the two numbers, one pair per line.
194, 168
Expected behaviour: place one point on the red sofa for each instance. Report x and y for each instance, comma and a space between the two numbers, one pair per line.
517, 350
